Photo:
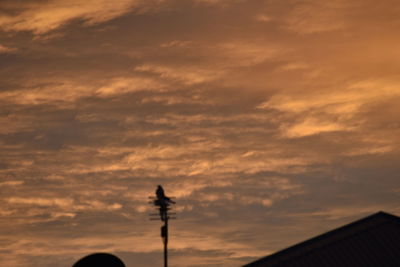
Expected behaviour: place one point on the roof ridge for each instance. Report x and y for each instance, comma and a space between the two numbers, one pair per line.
332, 236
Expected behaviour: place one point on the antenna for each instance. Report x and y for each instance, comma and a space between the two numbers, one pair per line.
163, 204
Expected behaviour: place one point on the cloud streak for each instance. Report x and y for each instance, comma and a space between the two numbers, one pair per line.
41, 18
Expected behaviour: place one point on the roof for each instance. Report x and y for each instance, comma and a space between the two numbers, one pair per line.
371, 241
99, 260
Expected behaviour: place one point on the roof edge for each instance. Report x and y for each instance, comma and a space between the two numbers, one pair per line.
331, 236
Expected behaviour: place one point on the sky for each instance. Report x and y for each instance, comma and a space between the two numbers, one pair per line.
269, 121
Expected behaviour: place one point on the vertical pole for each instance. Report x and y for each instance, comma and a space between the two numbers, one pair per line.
166, 242
163, 202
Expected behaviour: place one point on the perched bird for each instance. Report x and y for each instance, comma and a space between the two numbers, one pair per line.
163, 202
161, 195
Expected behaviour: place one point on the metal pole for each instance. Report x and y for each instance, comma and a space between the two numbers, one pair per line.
166, 242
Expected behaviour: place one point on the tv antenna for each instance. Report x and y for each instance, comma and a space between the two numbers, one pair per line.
163, 204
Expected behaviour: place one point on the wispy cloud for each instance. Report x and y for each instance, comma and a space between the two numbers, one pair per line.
4, 49
315, 17
41, 18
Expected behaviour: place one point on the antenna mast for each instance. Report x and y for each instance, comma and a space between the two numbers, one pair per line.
163, 204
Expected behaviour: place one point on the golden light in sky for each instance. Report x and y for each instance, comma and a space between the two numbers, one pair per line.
270, 121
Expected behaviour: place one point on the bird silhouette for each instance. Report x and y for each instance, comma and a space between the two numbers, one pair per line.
161, 197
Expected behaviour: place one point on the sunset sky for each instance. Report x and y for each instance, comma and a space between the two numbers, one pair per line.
270, 121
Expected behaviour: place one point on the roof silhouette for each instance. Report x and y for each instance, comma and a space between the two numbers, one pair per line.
99, 260
371, 241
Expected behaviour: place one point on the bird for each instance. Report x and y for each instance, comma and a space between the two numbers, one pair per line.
163, 202
161, 195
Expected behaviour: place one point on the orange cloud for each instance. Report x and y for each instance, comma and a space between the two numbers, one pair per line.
311, 126
188, 75
5, 49
46, 16
317, 16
